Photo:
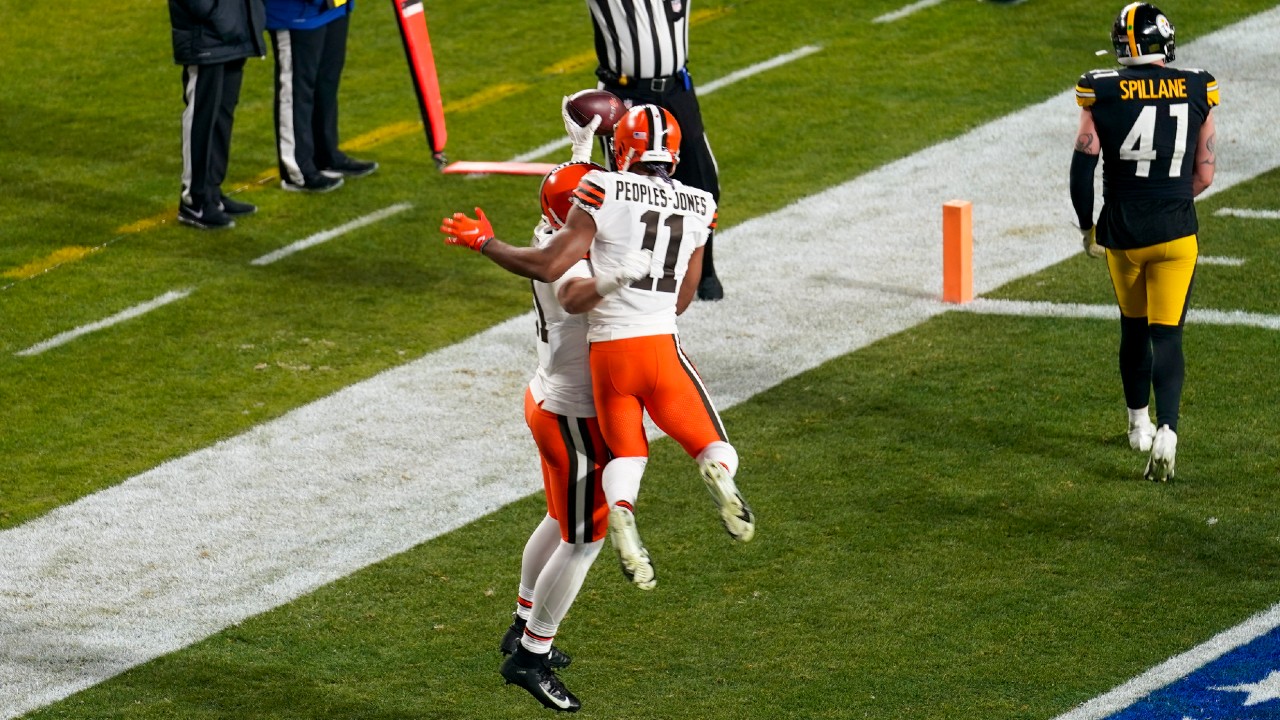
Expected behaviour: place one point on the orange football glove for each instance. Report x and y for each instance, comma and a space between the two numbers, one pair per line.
462, 230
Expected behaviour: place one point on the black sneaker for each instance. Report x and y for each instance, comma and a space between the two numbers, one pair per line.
709, 288
350, 167
532, 673
209, 218
511, 641
318, 183
235, 207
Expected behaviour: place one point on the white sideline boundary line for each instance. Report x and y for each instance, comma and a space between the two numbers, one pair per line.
1031, 308
327, 235
1177, 667
1250, 214
702, 90
123, 315
204, 541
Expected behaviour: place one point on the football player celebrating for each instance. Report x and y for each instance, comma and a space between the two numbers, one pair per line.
637, 364
1153, 126
561, 416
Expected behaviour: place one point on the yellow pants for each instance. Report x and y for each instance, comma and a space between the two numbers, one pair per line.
1155, 281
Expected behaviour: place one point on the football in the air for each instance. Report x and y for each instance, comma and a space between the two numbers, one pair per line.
586, 104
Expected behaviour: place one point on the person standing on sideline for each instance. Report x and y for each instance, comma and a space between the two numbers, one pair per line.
642, 51
211, 41
309, 38
1154, 127
637, 364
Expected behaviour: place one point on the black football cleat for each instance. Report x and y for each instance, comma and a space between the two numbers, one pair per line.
511, 640
532, 673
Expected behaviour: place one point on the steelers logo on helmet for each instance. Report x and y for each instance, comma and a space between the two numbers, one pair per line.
1142, 34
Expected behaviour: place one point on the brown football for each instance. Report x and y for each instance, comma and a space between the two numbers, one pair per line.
586, 104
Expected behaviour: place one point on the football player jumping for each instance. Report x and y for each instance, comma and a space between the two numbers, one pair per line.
637, 364
1154, 127
561, 416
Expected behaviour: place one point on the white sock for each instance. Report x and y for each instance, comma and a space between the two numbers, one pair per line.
1140, 416
622, 480
538, 550
721, 452
558, 586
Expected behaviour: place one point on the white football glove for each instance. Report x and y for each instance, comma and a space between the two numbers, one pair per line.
1091, 246
580, 137
637, 264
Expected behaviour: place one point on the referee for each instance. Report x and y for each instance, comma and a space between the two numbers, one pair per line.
642, 47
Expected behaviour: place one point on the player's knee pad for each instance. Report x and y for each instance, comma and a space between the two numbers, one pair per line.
721, 452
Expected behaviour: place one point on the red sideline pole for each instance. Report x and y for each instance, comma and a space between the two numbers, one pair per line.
412, 22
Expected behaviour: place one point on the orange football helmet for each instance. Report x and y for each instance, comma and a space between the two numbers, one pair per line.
557, 188
647, 133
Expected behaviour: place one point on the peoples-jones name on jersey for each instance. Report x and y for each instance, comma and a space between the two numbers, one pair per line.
659, 197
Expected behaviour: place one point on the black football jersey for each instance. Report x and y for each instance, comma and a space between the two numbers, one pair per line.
1148, 119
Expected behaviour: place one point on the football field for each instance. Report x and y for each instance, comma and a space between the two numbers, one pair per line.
282, 472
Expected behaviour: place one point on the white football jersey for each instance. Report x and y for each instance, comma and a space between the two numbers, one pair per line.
642, 212
562, 382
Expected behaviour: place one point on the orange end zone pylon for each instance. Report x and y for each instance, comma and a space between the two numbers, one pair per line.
957, 251
422, 68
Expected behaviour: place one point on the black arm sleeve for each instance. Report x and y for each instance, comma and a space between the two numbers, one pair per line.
1082, 167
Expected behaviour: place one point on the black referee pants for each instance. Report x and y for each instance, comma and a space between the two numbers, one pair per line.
308, 69
210, 94
697, 166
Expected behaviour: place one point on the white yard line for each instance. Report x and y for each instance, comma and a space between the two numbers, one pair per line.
1250, 214
907, 10
182, 551
137, 310
702, 90
1220, 260
1195, 316
327, 235
128, 314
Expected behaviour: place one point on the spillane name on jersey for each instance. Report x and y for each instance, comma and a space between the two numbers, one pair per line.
1148, 119
641, 212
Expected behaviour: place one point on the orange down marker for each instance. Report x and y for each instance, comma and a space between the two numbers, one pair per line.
957, 251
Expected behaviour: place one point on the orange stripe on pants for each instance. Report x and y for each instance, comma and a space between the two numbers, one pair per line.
651, 373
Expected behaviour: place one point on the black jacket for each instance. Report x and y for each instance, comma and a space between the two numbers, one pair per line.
206, 32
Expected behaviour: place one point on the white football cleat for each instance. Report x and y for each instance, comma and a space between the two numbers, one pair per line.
632, 555
735, 514
1163, 449
1141, 433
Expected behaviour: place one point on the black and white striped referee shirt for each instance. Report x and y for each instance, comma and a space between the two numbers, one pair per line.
641, 38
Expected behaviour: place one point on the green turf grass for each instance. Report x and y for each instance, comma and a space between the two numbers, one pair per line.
951, 522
